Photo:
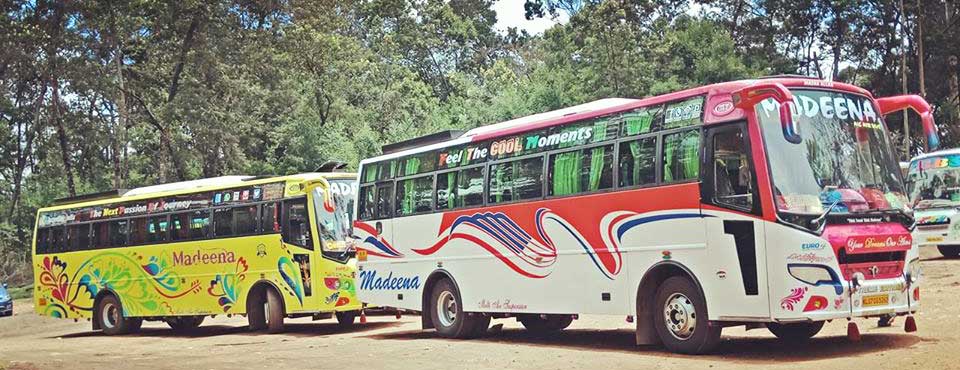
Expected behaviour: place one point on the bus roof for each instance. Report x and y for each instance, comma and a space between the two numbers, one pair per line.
718, 93
938, 153
201, 185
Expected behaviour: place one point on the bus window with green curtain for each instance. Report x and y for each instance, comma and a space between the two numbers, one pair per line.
446, 190
681, 160
470, 187
414, 195
638, 122
583, 170
516, 180
638, 162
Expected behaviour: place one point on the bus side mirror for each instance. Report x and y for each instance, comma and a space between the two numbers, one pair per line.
918, 104
748, 97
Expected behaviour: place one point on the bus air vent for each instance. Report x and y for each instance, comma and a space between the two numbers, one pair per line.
92, 196
433, 138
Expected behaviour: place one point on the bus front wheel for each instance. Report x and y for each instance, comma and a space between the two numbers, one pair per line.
446, 312
949, 251
545, 325
681, 318
795, 332
109, 316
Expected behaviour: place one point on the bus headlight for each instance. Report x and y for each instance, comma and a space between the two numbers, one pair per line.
815, 275
914, 271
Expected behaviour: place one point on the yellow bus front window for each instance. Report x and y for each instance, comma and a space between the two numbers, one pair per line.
333, 222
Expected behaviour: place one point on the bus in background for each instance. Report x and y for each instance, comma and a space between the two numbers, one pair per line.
265, 247
774, 202
934, 184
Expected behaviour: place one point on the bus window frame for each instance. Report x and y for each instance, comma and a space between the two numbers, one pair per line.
708, 175
543, 181
614, 143
445, 171
285, 217
433, 203
661, 147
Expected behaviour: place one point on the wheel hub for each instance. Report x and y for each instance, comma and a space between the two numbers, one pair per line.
680, 316
447, 309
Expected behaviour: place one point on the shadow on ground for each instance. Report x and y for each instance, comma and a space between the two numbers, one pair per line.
205, 331
746, 349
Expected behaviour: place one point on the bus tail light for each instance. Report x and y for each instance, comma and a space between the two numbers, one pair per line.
918, 104
747, 97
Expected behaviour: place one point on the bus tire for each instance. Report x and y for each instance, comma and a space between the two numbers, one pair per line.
109, 315
184, 323
541, 326
274, 311
346, 318
256, 309
446, 312
680, 318
795, 332
949, 251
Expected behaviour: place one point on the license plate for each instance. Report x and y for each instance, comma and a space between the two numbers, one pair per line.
876, 300
935, 239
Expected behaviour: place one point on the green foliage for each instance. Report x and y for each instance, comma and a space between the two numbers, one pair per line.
105, 94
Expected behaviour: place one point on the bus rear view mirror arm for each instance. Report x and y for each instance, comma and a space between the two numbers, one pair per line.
918, 104
748, 97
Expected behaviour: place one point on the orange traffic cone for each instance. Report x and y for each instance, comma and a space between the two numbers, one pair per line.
853, 332
363, 317
910, 325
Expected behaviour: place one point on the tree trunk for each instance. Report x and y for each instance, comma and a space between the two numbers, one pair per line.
953, 95
903, 81
62, 136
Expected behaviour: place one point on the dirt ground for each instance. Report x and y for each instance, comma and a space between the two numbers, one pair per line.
593, 342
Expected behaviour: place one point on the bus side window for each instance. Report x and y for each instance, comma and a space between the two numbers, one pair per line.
270, 218
157, 229
296, 228
57, 240
516, 180
681, 158
638, 162
732, 171
470, 187
384, 200
118, 233
43, 240
446, 190
101, 235
223, 222
138, 231
245, 220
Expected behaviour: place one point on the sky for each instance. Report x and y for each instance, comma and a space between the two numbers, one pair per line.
510, 14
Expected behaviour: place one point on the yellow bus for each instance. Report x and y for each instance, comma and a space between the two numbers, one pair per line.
268, 248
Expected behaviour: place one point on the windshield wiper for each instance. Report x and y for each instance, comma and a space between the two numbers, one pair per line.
819, 223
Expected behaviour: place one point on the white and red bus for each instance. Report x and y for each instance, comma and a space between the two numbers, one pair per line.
687, 212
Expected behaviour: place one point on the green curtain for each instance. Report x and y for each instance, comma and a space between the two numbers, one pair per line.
566, 173
690, 147
637, 123
596, 168
412, 165
451, 189
669, 156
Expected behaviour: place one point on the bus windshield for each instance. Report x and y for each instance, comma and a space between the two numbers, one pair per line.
334, 219
934, 182
843, 159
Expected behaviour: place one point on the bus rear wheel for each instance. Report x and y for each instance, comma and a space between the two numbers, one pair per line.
681, 320
184, 323
950, 251
795, 332
265, 310
545, 325
109, 316
446, 312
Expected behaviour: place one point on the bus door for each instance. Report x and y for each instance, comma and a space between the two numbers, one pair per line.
299, 235
735, 232
334, 273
